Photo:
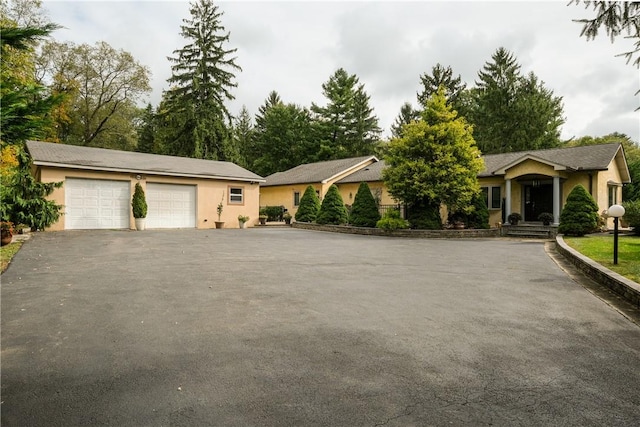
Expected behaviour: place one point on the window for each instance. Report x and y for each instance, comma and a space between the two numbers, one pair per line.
613, 195
236, 195
492, 197
296, 198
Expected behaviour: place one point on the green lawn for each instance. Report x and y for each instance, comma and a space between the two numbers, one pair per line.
599, 247
6, 254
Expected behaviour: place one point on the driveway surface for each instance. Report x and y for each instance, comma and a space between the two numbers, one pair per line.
284, 327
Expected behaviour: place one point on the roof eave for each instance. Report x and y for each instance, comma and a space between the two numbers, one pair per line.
326, 180
144, 171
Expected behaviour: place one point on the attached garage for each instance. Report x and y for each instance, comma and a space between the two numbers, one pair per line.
96, 204
171, 206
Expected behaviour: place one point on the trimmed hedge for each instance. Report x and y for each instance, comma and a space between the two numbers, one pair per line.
309, 206
580, 214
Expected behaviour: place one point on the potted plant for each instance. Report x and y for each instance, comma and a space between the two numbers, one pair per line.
546, 218
7, 232
242, 219
139, 205
263, 216
287, 218
514, 217
219, 223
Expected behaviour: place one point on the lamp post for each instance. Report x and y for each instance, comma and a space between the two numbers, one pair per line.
616, 211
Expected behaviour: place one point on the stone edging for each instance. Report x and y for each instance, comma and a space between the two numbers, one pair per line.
624, 287
365, 231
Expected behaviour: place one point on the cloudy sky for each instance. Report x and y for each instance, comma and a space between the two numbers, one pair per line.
295, 46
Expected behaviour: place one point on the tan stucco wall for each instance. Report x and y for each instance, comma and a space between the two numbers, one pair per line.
282, 195
208, 195
351, 189
495, 215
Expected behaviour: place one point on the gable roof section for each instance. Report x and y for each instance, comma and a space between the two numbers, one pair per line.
370, 173
322, 172
584, 158
101, 159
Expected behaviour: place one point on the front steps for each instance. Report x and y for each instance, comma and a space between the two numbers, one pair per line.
530, 231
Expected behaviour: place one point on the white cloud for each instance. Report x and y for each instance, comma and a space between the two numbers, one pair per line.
293, 47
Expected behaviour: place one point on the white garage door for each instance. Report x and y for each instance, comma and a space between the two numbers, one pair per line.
171, 206
94, 204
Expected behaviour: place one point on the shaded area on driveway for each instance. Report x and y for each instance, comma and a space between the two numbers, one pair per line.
289, 327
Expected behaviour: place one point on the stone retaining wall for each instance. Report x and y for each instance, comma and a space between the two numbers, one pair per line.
442, 234
624, 287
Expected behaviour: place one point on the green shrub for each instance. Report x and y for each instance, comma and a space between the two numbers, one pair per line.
392, 221
424, 215
580, 214
478, 217
139, 202
309, 206
273, 213
332, 210
632, 215
364, 212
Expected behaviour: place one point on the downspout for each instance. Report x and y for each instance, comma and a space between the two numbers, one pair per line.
591, 183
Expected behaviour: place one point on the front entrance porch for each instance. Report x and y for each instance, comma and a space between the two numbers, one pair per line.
538, 198
533, 195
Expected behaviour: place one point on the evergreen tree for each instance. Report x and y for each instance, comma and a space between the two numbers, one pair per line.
512, 112
436, 161
147, 131
272, 100
309, 206
441, 76
202, 80
580, 214
407, 115
332, 210
283, 141
364, 212
243, 136
346, 126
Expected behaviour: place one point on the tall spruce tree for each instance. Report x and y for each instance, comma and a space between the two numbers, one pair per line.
202, 79
441, 76
147, 131
406, 115
346, 126
243, 136
272, 100
512, 112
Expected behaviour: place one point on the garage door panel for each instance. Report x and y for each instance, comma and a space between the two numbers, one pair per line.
171, 206
96, 204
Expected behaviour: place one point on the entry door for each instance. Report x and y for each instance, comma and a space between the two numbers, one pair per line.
537, 199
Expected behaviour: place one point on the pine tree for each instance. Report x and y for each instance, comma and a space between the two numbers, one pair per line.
441, 76
364, 212
332, 210
147, 131
407, 115
309, 206
243, 137
346, 126
272, 100
202, 80
580, 214
512, 112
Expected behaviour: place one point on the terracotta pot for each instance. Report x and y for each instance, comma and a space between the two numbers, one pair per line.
7, 237
219, 224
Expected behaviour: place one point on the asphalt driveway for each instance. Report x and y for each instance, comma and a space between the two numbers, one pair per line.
279, 327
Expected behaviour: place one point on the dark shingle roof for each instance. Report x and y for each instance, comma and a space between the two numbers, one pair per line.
588, 157
73, 156
371, 173
314, 172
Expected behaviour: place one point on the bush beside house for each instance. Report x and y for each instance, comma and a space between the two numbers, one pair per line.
364, 212
580, 213
632, 215
309, 206
332, 210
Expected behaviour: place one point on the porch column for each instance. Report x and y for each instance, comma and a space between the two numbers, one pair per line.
507, 199
556, 200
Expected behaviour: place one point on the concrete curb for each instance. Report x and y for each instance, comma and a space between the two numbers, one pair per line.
624, 287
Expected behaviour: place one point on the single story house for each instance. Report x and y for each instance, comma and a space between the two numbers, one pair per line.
181, 192
286, 188
527, 182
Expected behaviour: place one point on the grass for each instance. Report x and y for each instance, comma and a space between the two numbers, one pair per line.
599, 247
6, 254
